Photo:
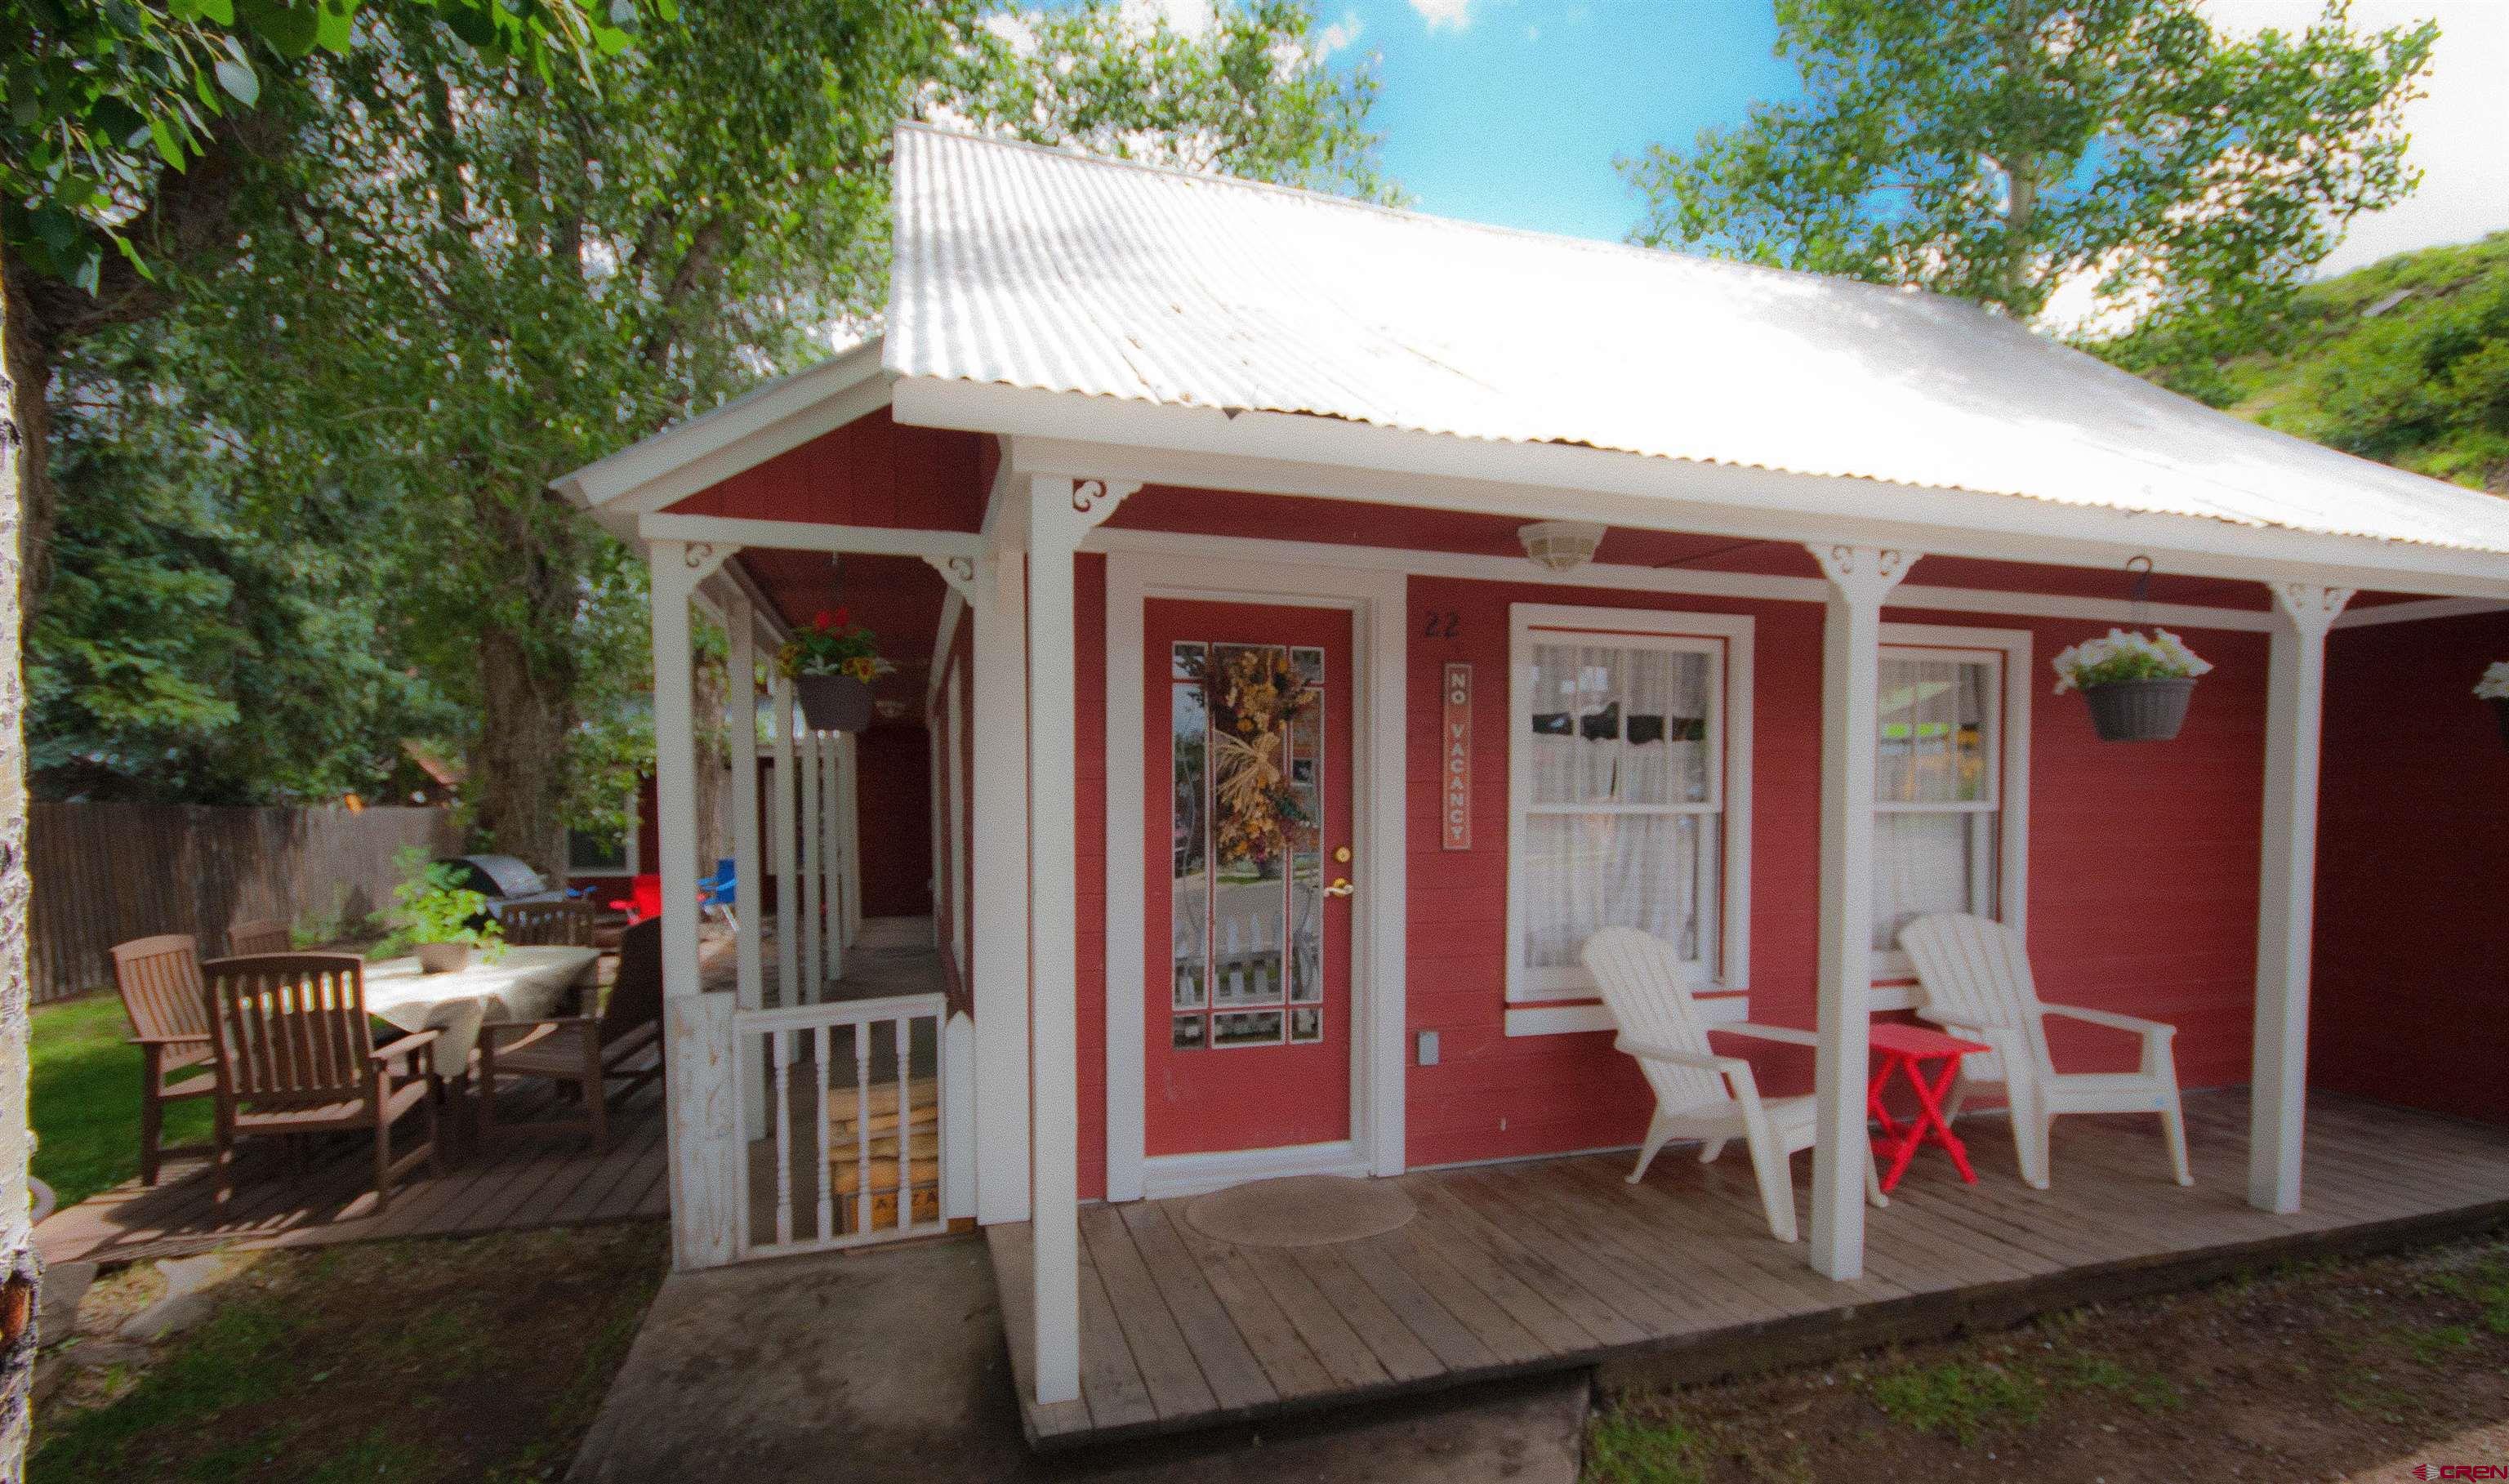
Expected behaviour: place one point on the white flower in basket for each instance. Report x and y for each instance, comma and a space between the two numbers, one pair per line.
2494, 684
2128, 657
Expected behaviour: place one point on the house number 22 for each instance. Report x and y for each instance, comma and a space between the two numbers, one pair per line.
1441, 626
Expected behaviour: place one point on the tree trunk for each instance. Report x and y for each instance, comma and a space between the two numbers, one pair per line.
29, 354
19, 1270
516, 786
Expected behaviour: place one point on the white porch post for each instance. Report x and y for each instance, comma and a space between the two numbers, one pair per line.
849, 832
999, 886
832, 857
741, 620
806, 763
1061, 513
788, 887
1859, 579
2287, 899
704, 1119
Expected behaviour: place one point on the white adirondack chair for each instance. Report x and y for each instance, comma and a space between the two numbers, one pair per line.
1976, 982
1697, 1093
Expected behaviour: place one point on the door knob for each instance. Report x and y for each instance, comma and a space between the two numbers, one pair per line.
1340, 887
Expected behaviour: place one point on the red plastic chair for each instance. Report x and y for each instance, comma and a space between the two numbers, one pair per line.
644, 898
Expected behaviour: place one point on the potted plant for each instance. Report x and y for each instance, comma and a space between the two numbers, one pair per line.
2138, 684
2495, 687
441, 919
833, 662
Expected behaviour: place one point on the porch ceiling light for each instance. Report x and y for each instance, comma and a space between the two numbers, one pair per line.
1562, 546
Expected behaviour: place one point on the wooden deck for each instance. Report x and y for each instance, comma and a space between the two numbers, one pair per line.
517, 1183
1553, 1264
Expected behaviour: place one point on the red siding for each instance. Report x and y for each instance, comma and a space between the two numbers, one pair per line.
2411, 998
2143, 875
893, 802
870, 472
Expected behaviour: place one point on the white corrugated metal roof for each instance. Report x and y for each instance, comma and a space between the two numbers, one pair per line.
1047, 269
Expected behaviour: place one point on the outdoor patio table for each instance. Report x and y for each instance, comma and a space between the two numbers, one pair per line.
522, 985
1905, 1050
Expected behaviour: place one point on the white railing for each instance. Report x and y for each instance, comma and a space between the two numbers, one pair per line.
864, 1135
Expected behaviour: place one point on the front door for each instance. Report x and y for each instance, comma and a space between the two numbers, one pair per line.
1248, 820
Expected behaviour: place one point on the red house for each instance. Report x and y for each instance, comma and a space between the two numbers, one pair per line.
1327, 617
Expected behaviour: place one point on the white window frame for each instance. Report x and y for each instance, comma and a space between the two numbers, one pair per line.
634, 846
1535, 1007
1894, 975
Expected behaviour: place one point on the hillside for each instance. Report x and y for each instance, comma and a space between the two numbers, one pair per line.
2406, 361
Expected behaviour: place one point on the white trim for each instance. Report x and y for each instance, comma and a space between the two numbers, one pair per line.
811, 536
954, 720
1727, 639
1282, 453
787, 818
2012, 647
998, 886
1379, 642
2414, 611
1195, 1175
1620, 575
1714, 1007
706, 450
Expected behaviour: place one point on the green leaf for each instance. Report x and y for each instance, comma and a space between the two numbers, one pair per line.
236, 77
338, 26
289, 29
168, 148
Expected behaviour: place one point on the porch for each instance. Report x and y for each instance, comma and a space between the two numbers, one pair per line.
1515, 1269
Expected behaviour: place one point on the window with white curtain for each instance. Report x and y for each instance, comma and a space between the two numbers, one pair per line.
1620, 801
1941, 842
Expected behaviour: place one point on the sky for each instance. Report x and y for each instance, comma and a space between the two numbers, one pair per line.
1511, 111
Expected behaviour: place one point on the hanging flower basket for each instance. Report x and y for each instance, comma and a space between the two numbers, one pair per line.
833, 703
2495, 687
833, 662
2140, 710
2138, 684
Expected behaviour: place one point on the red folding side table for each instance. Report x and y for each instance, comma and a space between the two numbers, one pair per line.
1905, 1050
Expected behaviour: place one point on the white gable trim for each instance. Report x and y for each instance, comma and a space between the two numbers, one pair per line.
742, 433
1275, 453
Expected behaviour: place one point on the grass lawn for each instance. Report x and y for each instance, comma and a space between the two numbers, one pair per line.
2358, 1369
85, 1099
479, 1358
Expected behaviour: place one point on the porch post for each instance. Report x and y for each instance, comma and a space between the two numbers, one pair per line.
1859, 579
788, 889
703, 1116
806, 763
741, 620
1061, 512
2287, 897
999, 886
831, 852
849, 831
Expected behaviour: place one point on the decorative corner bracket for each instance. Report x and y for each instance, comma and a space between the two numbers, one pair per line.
2311, 609
1862, 575
679, 567
959, 573
1072, 508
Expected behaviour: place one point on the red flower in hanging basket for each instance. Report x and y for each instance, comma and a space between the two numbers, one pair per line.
823, 620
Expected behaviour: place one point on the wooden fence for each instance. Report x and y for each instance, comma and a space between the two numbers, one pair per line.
106, 872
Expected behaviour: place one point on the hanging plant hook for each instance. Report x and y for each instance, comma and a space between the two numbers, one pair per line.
2141, 597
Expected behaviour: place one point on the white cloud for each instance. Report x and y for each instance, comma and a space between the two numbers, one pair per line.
1454, 15
1187, 18
1340, 36
2460, 127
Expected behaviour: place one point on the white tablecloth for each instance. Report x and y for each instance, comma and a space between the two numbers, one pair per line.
523, 985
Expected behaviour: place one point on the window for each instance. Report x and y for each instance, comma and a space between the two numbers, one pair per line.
602, 852
1943, 771
1629, 757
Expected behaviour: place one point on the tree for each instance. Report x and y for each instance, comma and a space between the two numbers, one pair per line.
522, 273
88, 94
2000, 149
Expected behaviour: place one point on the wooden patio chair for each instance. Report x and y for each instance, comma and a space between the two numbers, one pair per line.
1697, 1093
1976, 981
259, 936
535, 924
584, 1053
297, 1056
159, 979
